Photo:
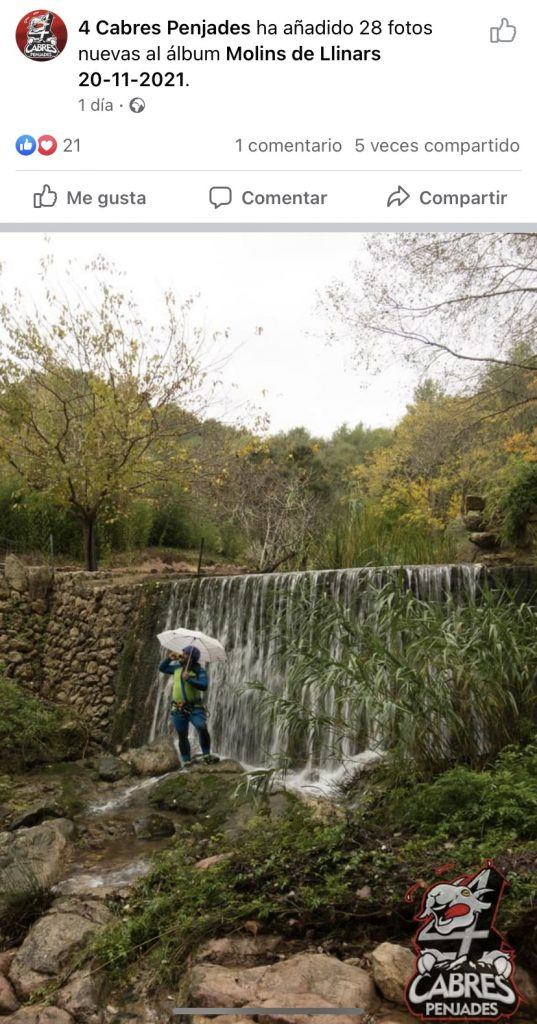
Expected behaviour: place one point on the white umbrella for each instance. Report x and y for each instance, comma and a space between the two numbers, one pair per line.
177, 639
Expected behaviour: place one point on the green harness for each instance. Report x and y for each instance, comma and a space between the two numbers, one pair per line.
183, 692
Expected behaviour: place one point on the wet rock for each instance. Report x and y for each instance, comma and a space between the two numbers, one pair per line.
239, 950
51, 942
204, 788
36, 813
152, 826
81, 996
33, 859
393, 967
307, 976
155, 758
8, 1000
112, 769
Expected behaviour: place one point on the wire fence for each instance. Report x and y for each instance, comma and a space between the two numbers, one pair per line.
12, 546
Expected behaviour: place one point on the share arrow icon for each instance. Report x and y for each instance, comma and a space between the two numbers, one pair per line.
398, 197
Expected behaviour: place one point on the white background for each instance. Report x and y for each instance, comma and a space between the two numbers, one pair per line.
452, 85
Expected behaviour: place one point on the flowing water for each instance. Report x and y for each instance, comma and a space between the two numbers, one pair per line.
242, 611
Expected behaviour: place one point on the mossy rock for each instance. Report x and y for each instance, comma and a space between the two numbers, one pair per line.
38, 794
34, 732
200, 790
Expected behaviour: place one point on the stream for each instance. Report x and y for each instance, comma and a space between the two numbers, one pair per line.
109, 856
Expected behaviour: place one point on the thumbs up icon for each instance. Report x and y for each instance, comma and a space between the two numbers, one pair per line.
505, 33
26, 145
45, 198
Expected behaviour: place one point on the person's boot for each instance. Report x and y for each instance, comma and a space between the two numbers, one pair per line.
210, 759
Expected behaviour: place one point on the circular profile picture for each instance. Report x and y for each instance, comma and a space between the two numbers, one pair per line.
41, 35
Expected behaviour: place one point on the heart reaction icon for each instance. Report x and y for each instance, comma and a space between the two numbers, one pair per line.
46, 145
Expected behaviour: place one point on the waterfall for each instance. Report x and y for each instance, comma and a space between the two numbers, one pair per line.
239, 610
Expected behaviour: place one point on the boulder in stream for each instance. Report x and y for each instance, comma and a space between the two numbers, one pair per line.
153, 826
112, 769
203, 789
155, 758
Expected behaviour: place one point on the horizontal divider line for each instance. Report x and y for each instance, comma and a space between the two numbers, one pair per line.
214, 227
271, 170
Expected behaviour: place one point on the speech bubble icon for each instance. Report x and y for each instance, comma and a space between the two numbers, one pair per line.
220, 195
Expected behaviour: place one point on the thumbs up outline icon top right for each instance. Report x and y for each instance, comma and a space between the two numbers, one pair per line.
504, 33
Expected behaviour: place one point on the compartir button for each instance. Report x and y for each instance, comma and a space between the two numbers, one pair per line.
462, 199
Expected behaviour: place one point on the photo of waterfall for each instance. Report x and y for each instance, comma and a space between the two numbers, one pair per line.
246, 612
268, 645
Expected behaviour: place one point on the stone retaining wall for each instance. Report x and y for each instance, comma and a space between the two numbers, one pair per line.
85, 641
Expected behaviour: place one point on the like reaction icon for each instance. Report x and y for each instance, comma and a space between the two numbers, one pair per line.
26, 145
504, 33
45, 199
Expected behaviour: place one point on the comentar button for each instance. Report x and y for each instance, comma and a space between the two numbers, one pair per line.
251, 198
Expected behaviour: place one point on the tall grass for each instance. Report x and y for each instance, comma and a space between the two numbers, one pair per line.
436, 683
366, 537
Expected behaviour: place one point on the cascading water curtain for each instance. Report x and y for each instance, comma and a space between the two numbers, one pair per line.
246, 613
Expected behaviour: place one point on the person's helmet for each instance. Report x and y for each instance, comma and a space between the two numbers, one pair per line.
193, 653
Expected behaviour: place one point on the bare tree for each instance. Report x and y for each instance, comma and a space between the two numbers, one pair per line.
270, 503
454, 306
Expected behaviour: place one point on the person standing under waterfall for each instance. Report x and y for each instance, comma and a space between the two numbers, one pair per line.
190, 682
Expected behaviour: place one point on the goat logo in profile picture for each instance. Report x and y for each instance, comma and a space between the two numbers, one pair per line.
41, 35
464, 968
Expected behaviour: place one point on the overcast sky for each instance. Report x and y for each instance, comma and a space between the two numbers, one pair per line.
246, 282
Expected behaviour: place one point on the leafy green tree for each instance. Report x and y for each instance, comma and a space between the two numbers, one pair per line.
95, 406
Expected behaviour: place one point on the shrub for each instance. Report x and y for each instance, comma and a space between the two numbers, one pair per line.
299, 874
435, 682
466, 804
33, 731
518, 500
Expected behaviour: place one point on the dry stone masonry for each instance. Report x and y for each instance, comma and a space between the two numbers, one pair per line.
81, 639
